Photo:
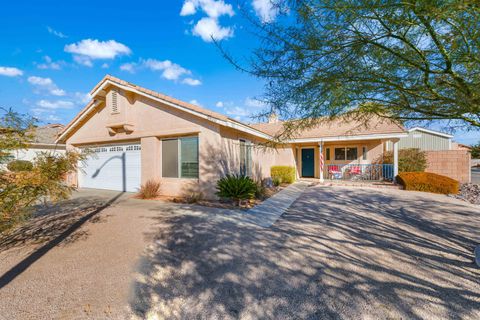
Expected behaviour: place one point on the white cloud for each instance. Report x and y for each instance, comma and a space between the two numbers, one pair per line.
265, 10
209, 26
206, 28
10, 72
195, 102
219, 104
105, 66
50, 64
254, 103
54, 105
84, 61
52, 117
237, 111
192, 82
129, 67
87, 50
56, 33
188, 8
212, 8
46, 84
171, 71
82, 98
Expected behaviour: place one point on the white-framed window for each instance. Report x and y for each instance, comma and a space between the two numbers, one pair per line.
180, 158
346, 153
245, 157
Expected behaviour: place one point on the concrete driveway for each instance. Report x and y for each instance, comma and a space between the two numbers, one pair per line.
476, 175
338, 253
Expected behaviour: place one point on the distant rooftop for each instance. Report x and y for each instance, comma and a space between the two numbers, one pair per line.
47, 134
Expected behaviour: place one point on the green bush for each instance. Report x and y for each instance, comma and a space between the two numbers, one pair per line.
19, 165
236, 187
282, 174
409, 160
428, 182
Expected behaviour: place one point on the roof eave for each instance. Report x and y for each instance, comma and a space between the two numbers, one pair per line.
351, 138
227, 123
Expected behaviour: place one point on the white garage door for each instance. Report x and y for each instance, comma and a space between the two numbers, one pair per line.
116, 167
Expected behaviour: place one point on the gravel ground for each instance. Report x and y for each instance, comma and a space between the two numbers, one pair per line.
338, 253
74, 262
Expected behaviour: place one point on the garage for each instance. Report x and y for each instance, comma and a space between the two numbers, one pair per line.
113, 167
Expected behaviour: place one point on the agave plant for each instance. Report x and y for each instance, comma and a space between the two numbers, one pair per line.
236, 187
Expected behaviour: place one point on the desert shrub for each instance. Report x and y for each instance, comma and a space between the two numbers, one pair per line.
149, 190
236, 187
20, 165
428, 182
46, 181
409, 160
282, 174
260, 191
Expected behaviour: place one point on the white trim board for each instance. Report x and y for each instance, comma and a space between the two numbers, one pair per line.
351, 138
437, 133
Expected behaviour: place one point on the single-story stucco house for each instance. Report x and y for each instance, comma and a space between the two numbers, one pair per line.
43, 141
139, 134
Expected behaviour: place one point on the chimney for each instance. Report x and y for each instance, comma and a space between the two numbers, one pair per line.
273, 118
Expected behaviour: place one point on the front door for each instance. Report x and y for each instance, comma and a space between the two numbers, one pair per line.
308, 163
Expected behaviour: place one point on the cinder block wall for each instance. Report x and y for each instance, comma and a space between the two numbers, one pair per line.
451, 163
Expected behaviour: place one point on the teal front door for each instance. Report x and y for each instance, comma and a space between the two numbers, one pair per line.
308, 163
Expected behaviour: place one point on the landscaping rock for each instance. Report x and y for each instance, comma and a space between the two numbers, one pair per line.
469, 192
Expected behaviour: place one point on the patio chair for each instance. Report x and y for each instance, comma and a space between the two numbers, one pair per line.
355, 172
335, 172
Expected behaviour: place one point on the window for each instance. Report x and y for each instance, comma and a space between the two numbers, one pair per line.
346, 153
180, 158
352, 154
189, 157
339, 153
327, 153
364, 153
114, 101
245, 158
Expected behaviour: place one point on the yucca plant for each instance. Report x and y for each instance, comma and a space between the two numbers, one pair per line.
236, 187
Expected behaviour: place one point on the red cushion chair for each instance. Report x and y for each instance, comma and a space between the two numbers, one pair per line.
355, 170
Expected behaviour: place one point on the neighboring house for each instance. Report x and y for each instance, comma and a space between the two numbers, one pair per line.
425, 140
44, 141
138, 134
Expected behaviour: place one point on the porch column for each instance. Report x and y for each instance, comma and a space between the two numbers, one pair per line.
321, 162
395, 158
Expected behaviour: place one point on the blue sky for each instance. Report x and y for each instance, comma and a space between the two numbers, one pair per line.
52, 53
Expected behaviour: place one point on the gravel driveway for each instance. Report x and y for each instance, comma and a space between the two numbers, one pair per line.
338, 253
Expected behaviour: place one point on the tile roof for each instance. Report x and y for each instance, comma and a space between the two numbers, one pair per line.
163, 97
47, 134
335, 128
332, 128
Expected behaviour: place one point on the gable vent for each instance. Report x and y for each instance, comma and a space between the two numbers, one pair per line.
114, 101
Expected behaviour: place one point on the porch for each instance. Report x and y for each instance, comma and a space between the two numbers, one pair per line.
350, 159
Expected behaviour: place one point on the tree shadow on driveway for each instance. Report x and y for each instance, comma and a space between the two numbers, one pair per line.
336, 254
51, 227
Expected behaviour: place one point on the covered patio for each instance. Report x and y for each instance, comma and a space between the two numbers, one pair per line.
353, 158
